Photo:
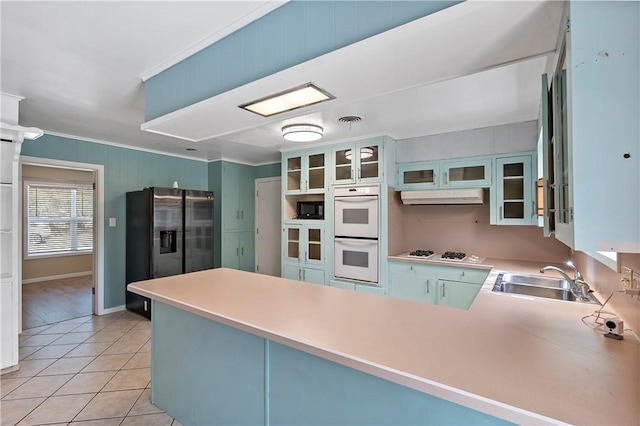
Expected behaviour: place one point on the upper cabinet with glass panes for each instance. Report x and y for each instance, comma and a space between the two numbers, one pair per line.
305, 173
359, 162
458, 173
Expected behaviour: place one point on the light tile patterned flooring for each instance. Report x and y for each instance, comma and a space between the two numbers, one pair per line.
93, 370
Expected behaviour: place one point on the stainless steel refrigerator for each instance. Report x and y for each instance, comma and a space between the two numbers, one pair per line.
168, 232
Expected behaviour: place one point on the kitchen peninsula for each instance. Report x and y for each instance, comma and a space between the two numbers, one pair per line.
233, 347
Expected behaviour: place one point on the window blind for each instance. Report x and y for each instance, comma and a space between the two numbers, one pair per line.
59, 219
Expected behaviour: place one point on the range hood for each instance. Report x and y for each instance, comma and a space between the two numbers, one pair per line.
444, 196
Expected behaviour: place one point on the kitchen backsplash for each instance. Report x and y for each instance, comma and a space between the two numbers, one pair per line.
605, 281
466, 228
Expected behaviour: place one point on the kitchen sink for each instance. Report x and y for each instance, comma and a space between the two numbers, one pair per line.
535, 286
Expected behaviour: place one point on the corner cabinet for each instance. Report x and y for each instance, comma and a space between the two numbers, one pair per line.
596, 128
360, 162
513, 201
452, 286
472, 172
303, 257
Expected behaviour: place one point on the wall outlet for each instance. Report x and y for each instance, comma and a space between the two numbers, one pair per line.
631, 281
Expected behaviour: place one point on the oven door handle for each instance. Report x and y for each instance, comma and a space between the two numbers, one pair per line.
354, 242
359, 199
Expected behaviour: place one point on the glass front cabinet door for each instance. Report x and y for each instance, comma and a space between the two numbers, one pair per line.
514, 191
474, 172
357, 163
305, 173
418, 176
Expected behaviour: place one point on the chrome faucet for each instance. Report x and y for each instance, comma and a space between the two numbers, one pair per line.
579, 287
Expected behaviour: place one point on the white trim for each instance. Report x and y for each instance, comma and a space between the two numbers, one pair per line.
259, 11
57, 277
98, 252
119, 308
121, 145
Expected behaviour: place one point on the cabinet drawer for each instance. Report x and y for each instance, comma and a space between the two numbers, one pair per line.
469, 275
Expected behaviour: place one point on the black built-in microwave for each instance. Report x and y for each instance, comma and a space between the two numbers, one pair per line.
310, 210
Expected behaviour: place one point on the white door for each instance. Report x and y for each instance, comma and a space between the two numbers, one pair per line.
268, 219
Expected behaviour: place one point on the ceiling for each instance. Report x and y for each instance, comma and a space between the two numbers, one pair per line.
79, 66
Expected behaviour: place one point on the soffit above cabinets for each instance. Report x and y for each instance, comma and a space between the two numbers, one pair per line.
476, 64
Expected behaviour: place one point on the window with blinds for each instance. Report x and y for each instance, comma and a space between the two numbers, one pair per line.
59, 219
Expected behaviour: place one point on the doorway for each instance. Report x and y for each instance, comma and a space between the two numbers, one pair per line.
62, 252
268, 220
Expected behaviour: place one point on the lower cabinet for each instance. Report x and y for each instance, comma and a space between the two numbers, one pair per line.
452, 286
361, 288
309, 275
237, 250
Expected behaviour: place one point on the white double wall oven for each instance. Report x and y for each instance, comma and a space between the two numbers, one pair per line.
356, 230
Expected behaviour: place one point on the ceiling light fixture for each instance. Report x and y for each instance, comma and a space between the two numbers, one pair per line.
302, 132
298, 97
364, 153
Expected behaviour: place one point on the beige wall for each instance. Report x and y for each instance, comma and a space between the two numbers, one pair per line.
605, 281
36, 269
40, 269
466, 228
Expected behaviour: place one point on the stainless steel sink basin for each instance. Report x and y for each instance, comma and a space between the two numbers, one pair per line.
535, 286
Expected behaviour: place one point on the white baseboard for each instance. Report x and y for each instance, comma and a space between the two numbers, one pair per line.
111, 310
56, 277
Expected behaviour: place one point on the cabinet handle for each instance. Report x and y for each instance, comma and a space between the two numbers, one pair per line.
351, 173
428, 287
533, 209
237, 214
242, 251
306, 184
411, 267
300, 274
304, 275
306, 256
242, 214
237, 251
446, 178
501, 213
359, 173
443, 289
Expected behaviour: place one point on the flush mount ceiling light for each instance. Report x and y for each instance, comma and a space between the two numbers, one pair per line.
302, 132
298, 97
364, 153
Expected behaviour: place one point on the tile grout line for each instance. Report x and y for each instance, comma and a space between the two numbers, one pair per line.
105, 325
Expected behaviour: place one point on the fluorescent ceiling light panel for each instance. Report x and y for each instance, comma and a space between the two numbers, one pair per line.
298, 97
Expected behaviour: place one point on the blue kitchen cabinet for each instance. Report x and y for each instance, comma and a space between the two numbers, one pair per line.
451, 286
346, 285
305, 172
309, 275
303, 256
424, 175
513, 201
412, 282
456, 294
473, 172
237, 196
596, 128
238, 250
360, 288
360, 162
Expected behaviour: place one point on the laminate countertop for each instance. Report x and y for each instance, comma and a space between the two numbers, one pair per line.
526, 360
